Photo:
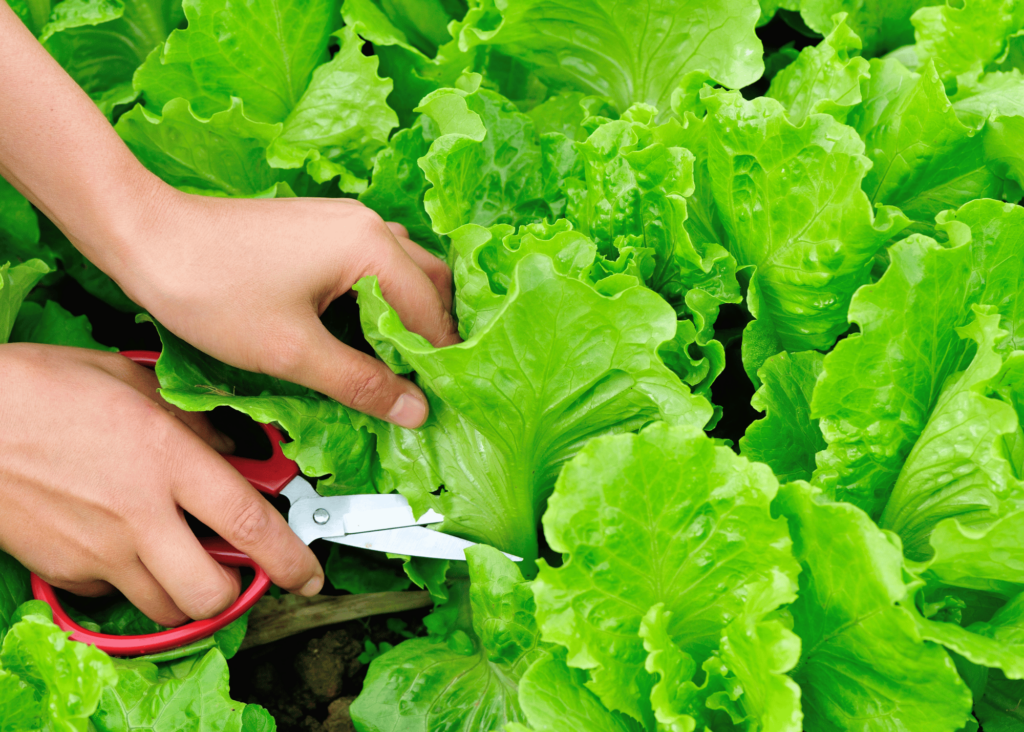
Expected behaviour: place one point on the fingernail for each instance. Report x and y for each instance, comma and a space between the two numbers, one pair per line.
410, 410
312, 587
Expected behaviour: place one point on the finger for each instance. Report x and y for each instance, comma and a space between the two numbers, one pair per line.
357, 380
397, 229
145, 382
435, 268
191, 578
143, 591
212, 491
414, 297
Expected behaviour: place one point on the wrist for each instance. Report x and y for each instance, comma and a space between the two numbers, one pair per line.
122, 229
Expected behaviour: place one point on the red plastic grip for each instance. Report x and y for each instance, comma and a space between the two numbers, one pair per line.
267, 476
137, 645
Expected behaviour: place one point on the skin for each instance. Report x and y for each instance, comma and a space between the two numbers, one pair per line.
97, 469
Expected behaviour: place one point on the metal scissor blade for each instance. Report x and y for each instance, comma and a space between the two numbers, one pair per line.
414, 541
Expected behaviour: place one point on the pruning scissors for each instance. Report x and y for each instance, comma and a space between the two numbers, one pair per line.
379, 522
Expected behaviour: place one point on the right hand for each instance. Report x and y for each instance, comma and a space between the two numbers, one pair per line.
96, 474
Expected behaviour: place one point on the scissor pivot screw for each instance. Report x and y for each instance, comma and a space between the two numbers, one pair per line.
321, 516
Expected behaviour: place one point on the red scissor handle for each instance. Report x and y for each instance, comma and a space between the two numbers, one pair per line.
267, 476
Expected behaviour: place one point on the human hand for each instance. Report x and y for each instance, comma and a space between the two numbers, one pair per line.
97, 473
246, 280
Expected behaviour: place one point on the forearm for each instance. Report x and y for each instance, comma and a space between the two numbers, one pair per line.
62, 153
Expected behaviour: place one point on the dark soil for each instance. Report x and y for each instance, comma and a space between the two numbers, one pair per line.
308, 681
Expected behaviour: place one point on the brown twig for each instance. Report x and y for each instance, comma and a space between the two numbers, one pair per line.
276, 618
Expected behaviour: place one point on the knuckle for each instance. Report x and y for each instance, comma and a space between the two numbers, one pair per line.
208, 599
368, 387
369, 223
249, 524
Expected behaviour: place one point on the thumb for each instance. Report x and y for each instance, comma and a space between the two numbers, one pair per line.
356, 380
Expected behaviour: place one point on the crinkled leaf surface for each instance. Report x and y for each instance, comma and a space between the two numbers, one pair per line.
634, 182
883, 25
263, 52
967, 36
225, 153
880, 386
787, 439
14, 590
341, 120
823, 78
398, 185
925, 160
65, 678
663, 517
487, 165
626, 51
185, 696
791, 204
585, 364
962, 464
863, 665
101, 44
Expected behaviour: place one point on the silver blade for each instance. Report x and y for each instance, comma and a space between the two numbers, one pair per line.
313, 516
414, 541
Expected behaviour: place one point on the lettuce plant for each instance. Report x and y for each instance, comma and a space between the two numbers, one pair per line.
657, 213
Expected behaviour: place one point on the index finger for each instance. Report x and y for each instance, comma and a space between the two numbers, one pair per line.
412, 294
216, 494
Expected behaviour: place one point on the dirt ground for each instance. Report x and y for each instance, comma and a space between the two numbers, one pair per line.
308, 681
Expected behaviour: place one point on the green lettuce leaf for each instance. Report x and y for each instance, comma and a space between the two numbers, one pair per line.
823, 78
925, 160
633, 187
416, 67
792, 206
995, 643
487, 164
14, 590
965, 37
883, 25
341, 121
398, 185
358, 571
963, 464
48, 682
263, 52
19, 228
863, 663
15, 283
1001, 709
190, 695
225, 153
787, 439
880, 386
50, 323
496, 439
101, 44
467, 679
627, 52
554, 698
666, 522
